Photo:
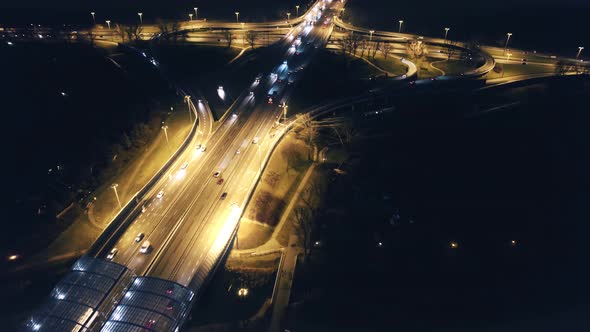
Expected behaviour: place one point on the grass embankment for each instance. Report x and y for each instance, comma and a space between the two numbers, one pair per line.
279, 180
519, 69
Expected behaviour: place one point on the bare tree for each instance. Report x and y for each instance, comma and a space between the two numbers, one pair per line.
133, 32
308, 130
376, 48
385, 49
364, 45
251, 38
416, 49
228, 36
291, 156
120, 30
561, 68
91, 37
303, 222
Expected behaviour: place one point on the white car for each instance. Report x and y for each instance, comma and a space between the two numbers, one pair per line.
238, 151
217, 174
255, 140
145, 247
184, 166
198, 146
112, 254
160, 194
203, 149
139, 237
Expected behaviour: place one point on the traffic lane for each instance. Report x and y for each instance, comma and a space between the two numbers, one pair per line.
198, 247
214, 192
179, 210
218, 223
168, 201
176, 212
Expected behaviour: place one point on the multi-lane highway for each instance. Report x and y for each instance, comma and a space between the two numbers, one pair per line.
186, 222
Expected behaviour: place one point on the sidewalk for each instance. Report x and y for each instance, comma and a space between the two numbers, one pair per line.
282, 291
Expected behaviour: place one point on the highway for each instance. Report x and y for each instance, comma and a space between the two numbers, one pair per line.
190, 223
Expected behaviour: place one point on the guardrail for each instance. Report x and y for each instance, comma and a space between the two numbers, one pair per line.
124, 217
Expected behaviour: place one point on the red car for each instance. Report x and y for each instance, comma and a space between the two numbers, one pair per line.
220, 181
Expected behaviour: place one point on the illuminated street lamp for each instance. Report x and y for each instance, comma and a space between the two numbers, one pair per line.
109, 24
243, 292
297, 8
454, 245
580, 48
371, 34
196, 13
508, 35
190, 17
400, 25
93, 18
13, 257
447, 32
288, 17
237, 17
243, 24
140, 18
114, 186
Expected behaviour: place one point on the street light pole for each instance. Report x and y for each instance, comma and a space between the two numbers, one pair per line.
93, 18
580, 48
400, 25
166, 133
109, 24
114, 186
297, 8
140, 18
187, 100
190, 17
196, 13
288, 17
508, 35
507, 61
237, 17
446, 32
371, 34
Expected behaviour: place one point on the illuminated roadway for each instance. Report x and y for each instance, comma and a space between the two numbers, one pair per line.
191, 225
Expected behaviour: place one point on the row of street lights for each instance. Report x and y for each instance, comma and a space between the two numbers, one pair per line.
190, 15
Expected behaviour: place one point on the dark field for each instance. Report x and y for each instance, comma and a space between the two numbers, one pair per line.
426, 176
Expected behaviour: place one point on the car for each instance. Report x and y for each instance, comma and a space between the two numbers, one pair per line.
269, 100
220, 181
251, 93
184, 166
257, 80
217, 174
285, 62
170, 305
234, 115
145, 247
112, 253
150, 324
198, 146
203, 149
255, 140
170, 290
200, 101
147, 204
139, 237
223, 196
238, 151
160, 194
